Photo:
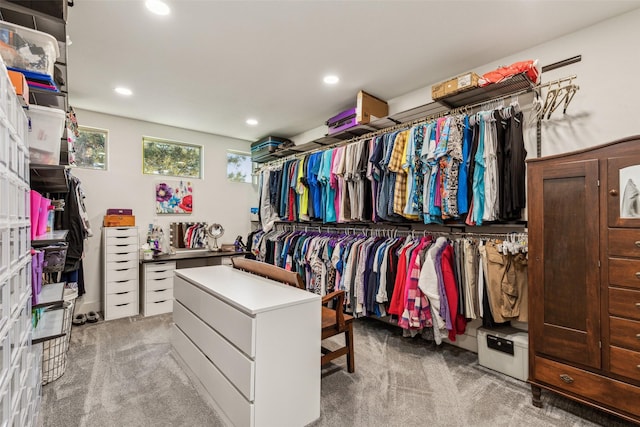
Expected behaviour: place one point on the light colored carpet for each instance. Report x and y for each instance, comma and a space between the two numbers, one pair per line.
124, 373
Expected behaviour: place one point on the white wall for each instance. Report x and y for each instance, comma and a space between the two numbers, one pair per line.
124, 186
604, 109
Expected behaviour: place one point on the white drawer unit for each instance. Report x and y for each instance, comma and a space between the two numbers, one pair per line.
230, 329
156, 288
120, 288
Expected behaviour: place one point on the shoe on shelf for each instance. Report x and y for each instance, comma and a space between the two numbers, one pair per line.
79, 319
92, 317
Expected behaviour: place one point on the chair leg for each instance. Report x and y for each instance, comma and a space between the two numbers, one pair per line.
348, 337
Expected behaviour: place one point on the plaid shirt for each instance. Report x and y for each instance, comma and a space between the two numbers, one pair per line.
395, 165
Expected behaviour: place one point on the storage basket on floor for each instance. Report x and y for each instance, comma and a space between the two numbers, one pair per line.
54, 352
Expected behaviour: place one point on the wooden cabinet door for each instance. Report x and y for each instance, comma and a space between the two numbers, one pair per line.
623, 191
563, 261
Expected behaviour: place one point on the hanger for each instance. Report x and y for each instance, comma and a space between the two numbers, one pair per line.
550, 100
571, 92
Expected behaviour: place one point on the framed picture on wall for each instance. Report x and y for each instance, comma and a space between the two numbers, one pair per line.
174, 197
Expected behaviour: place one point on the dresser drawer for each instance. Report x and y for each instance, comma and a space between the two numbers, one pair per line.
122, 240
159, 295
121, 286
625, 303
624, 242
239, 411
624, 272
625, 362
160, 266
121, 231
122, 298
162, 274
114, 275
121, 265
237, 367
121, 310
125, 256
158, 307
588, 385
232, 324
159, 284
122, 249
625, 333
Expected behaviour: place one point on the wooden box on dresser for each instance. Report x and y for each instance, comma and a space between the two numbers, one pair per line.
584, 276
120, 292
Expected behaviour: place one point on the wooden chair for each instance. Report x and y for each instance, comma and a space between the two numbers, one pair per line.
269, 271
334, 321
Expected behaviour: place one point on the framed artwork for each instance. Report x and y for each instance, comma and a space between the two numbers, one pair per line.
174, 197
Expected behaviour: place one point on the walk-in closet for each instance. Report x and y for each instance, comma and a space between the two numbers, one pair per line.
319, 213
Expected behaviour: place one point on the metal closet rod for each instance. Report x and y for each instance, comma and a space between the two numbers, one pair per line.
407, 125
392, 232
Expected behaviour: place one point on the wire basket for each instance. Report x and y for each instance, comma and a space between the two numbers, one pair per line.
54, 351
54, 258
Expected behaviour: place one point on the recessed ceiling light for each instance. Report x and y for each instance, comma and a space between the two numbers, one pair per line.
158, 7
252, 122
331, 80
124, 91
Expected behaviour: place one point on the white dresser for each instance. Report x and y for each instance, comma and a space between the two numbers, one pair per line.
156, 290
254, 344
120, 291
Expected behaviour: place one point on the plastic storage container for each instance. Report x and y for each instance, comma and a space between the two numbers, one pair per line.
47, 126
28, 49
505, 350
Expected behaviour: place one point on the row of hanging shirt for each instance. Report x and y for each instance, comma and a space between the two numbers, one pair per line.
453, 167
428, 284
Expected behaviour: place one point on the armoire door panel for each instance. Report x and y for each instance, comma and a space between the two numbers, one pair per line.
567, 344
566, 261
623, 191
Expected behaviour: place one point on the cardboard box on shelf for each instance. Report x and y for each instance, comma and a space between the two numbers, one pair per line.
119, 221
457, 84
19, 83
368, 107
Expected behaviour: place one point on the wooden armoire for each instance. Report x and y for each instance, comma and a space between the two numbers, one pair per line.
584, 276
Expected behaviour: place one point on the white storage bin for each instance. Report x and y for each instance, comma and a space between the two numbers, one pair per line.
4, 197
47, 126
5, 309
13, 152
4, 143
29, 49
5, 402
13, 245
4, 251
505, 350
5, 353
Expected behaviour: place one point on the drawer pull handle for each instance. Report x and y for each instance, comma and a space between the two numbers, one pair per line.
637, 243
638, 336
120, 305
638, 305
566, 378
613, 192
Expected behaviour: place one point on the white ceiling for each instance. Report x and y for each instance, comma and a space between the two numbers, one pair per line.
210, 65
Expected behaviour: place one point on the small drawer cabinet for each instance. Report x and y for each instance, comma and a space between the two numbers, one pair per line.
120, 291
156, 290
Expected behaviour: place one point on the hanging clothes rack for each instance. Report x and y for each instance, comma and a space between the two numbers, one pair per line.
407, 125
